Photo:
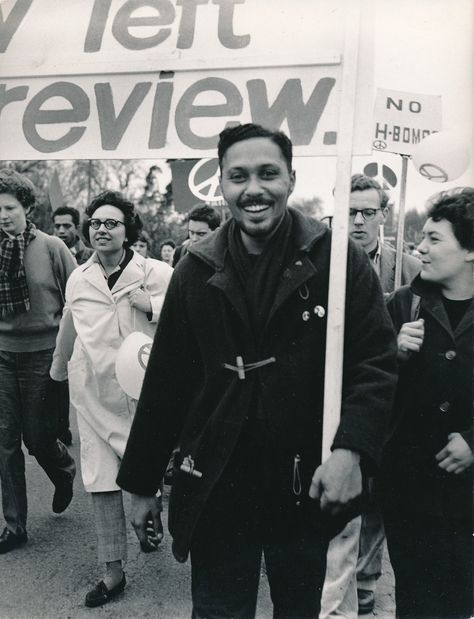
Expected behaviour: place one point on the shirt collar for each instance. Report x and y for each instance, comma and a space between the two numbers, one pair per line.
374, 255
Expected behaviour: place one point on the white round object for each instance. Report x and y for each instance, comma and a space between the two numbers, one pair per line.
131, 362
441, 157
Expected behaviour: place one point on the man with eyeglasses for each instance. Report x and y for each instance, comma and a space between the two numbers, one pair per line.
355, 555
369, 204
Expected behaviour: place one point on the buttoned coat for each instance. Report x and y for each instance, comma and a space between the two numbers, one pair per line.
433, 399
95, 322
192, 398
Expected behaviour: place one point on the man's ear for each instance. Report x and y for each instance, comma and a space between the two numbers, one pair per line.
292, 182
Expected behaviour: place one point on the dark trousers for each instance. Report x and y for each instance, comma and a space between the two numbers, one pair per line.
28, 410
251, 512
226, 573
63, 404
432, 562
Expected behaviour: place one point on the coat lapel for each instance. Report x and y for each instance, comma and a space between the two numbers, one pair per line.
94, 275
133, 274
436, 309
293, 277
230, 286
466, 321
387, 269
213, 250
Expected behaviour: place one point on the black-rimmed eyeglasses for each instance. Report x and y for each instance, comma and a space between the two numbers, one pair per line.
367, 213
110, 224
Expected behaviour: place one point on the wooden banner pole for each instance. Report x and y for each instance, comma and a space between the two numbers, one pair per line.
340, 231
401, 222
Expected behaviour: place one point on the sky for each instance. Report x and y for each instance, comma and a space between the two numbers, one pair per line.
421, 46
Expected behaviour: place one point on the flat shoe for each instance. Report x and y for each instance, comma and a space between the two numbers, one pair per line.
62, 496
10, 541
100, 595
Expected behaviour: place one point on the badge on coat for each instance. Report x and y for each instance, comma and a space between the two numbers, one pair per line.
320, 311
131, 362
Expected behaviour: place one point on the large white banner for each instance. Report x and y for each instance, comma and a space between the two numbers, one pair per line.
162, 78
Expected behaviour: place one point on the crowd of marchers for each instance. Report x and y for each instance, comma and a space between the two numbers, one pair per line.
231, 406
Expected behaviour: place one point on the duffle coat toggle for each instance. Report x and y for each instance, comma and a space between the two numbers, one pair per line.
188, 467
241, 367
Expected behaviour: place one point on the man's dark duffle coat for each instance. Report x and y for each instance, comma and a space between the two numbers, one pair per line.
433, 399
189, 398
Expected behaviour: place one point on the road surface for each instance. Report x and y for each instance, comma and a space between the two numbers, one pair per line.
49, 576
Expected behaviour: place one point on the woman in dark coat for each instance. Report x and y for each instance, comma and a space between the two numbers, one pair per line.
428, 462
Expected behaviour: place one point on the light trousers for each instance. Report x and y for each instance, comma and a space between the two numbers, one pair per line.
339, 597
371, 547
110, 523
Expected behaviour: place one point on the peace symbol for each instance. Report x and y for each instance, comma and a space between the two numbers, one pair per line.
143, 354
433, 172
207, 189
379, 144
385, 174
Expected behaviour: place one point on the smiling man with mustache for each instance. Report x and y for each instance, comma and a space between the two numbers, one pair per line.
236, 378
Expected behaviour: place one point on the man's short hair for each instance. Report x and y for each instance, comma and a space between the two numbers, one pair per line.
19, 186
360, 182
232, 135
205, 212
457, 207
68, 210
132, 221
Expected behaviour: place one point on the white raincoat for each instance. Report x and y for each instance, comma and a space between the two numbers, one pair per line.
95, 322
